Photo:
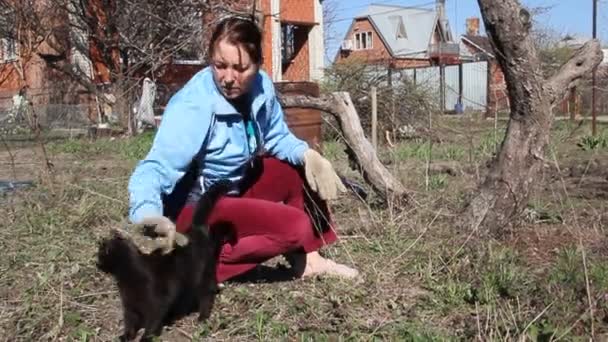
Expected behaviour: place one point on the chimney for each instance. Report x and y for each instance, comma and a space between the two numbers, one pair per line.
473, 26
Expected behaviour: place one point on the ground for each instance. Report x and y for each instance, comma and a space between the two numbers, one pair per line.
424, 278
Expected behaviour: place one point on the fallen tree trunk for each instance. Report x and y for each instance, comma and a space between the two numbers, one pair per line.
504, 194
341, 107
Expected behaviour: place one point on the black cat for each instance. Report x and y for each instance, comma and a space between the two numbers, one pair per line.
156, 289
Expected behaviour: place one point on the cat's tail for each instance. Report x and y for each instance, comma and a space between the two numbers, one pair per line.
208, 200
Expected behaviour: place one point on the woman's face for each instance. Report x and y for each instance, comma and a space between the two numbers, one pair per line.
233, 69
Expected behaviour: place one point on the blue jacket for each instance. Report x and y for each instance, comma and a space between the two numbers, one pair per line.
200, 123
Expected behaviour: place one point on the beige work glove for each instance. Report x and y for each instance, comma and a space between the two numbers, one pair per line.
321, 176
167, 239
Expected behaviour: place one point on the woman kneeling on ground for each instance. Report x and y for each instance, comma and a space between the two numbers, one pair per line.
218, 120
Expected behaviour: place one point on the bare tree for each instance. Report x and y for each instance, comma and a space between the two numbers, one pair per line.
108, 46
330, 15
504, 194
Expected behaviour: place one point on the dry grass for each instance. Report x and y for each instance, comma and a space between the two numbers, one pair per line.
423, 278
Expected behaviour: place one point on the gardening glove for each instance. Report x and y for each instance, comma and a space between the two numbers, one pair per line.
167, 239
321, 176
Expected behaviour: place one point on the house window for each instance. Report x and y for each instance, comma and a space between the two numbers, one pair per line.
398, 26
288, 43
9, 49
8, 44
363, 41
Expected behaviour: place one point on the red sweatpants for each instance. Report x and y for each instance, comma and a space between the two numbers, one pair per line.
264, 226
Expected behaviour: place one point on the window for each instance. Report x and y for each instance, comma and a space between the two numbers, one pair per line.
398, 26
363, 41
9, 49
287, 43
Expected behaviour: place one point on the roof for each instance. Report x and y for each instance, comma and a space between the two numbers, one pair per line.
480, 42
572, 40
389, 20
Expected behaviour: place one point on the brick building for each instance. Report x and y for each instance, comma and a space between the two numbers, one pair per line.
293, 50
400, 37
293, 36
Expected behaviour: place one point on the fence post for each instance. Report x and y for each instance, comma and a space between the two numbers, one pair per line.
442, 87
374, 96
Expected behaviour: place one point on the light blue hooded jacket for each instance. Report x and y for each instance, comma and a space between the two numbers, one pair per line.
200, 123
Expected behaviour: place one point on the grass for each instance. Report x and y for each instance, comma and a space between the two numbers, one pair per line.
424, 279
126, 149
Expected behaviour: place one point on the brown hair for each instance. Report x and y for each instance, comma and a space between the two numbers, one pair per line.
239, 31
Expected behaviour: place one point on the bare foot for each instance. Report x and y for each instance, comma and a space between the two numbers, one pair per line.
306, 265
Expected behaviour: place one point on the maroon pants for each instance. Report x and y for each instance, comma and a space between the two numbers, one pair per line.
269, 220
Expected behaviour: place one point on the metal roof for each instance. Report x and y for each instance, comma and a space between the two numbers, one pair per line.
419, 24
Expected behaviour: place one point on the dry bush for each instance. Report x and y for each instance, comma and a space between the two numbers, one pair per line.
402, 104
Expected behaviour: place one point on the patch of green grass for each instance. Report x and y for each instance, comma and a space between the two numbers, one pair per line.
131, 149
488, 144
562, 129
598, 276
590, 142
453, 152
332, 150
501, 276
422, 151
437, 182
451, 293
568, 270
540, 211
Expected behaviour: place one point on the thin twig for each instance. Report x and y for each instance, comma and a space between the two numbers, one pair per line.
183, 332
537, 318
417, 239
588, 288
92, 192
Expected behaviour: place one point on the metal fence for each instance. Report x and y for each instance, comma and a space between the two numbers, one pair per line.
466, 83
19, 119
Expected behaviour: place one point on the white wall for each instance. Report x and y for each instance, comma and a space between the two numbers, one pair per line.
316, 45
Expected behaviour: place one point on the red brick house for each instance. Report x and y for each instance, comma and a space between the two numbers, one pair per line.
293, 36
400, 37
475, 47
293, 51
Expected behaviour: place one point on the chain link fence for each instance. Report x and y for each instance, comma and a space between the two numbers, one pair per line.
21, 117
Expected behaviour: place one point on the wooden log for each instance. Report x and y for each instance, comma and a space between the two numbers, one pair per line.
340, 105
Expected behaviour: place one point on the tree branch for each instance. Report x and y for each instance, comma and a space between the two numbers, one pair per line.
586, 58
341, 107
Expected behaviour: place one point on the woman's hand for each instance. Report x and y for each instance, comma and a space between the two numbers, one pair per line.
167, 238
321, 176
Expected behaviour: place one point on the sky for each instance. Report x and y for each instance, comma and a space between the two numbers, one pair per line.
564, 16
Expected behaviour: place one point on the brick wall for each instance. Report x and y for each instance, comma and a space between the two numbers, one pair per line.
379, 53
298, 11
498, 99
9, 78
410, 63
267, 38
299, 68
